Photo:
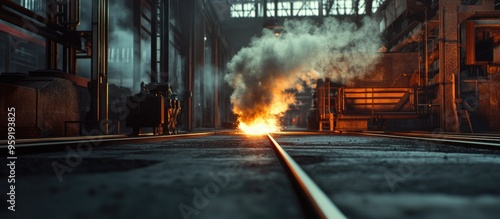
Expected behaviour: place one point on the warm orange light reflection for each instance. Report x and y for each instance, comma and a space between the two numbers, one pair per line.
260, 126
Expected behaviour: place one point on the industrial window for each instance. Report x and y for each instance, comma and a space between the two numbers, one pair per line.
243, 8
284, 9
270, 9
339, 7
33, 5
122, 55
471, 2
290, 8
376, 4
306, 8
348, 7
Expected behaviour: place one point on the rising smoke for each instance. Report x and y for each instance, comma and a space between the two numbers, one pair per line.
263, 73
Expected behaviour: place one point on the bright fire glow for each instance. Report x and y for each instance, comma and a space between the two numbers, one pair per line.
267, 72
259, 111
260, 126
261, 117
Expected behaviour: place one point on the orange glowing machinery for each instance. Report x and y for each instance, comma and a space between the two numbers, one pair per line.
357, 108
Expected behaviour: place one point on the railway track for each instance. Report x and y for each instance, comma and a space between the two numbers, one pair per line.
313, 200
54, 144
316, 201
480, 140
351, 170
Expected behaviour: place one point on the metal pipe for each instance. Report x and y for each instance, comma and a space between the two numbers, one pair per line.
373, 102
105, 62
426, 68
77, 12
415, 99
442, 65
99, 63
458, 83
65, 58
165, 42
191, 69
415, 37
137, 48
51, 48
154, 41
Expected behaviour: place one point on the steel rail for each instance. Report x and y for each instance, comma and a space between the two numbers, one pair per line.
322, 205
101, 139
450, 136
490, 135
58, 139
441, 139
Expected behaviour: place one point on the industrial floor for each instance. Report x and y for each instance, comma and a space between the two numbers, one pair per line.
238, 176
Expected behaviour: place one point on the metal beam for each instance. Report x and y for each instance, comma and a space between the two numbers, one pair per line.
165, 41
99, 75
154, 41
35, 23
137, 51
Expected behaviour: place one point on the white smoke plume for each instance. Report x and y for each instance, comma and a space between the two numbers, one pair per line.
263, 73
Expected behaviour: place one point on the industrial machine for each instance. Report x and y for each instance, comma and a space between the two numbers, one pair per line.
156, 107
357, 108
439, 71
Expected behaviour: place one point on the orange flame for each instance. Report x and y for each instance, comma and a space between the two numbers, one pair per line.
260, 126
264, 117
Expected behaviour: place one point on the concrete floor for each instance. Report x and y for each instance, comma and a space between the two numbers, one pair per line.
219, 176
235, 176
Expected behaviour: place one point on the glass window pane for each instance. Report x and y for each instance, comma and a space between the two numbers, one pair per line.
243, 8
270, 10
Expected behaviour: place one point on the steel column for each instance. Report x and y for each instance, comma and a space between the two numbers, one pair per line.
51, 49
190, 22
264, 9
137, 51
99, 75
448, 63
154, 41
165, 41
